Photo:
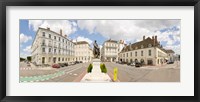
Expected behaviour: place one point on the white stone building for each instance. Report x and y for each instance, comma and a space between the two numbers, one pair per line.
111, 49
171, 56
148, 51
83, 52
50, 47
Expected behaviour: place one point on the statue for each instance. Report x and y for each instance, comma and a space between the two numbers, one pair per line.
96, 50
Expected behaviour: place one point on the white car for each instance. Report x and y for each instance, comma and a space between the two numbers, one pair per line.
132, 64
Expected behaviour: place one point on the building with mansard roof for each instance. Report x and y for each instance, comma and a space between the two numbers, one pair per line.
148, 51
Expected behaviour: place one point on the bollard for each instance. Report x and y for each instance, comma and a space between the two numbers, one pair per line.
115, 74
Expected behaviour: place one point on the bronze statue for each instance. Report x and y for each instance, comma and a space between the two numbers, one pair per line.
96, 50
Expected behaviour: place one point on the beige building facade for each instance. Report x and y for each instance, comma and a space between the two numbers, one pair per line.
83, 52
50, 47
110, 50
148, 52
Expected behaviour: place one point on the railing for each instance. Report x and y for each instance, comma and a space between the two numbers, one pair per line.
43, 44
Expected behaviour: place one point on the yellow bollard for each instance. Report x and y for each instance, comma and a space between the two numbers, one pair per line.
115, 74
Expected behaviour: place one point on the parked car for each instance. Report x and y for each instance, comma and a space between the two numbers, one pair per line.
76, 62
129, 63
137, 64
55, 66
170, 62
66, 64
61, 64
123, 63
132, 64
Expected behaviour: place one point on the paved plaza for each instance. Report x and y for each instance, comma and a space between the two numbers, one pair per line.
74, 73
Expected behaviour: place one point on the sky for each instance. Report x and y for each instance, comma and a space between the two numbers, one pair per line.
131, 31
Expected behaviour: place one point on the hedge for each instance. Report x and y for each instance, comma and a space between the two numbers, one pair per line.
103, 68
89, 70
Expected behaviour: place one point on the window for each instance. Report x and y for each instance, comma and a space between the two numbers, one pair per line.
136, 53
59, 38
49, 49
50, 36
131, 54
43, 34
43, 49
149, 52
55, 37
141, 53
54, 50
59, 51
149, 45
59, 59
126, 54
142, 46
62, 59
63, 40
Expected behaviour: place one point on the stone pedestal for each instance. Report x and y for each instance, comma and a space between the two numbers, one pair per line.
96, 75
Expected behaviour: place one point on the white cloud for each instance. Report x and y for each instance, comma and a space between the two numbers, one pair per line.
24, 55
126, 29
26, 52
175, 48
67, 27
81, 38
24, 38
133, 30
34, 24
27, 49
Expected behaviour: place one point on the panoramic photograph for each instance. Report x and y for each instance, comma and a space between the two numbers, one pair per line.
91, 50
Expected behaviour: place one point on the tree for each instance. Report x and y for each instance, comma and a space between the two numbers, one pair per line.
29, 58
22, 59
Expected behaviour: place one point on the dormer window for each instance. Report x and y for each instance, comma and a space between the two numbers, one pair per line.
142, 46
149, 45
136, 48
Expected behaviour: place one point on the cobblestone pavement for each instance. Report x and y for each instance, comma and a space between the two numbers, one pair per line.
164, 73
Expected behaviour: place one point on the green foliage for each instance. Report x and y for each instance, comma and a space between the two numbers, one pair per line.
22, 59
103, 68
89, 70
29, 58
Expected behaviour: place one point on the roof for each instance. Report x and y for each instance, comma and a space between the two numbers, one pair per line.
81, 42
142, 44
169, 51
113, 41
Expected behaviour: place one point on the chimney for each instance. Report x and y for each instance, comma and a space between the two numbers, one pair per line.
65, 36
61, 32
156, 38
152, 37
143, 37
48, 28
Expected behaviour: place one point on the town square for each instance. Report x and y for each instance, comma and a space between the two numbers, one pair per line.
99, 51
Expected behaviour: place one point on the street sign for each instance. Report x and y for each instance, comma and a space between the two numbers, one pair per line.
115, 74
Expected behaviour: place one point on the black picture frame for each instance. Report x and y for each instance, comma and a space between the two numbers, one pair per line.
5, 3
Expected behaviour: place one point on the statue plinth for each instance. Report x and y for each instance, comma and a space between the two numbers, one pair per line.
96, 75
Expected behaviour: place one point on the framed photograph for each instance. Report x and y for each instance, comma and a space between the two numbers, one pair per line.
90, 49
